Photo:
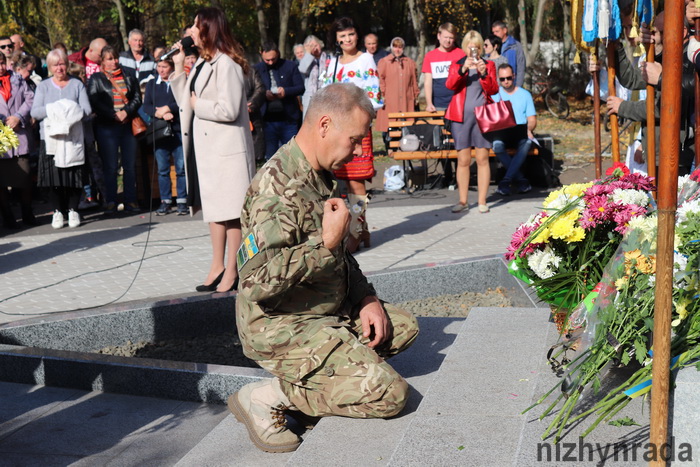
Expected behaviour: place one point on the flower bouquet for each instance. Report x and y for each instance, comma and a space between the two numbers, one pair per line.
562, 250
613, 324
8, 139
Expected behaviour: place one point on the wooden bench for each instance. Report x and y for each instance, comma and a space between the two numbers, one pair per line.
399, 120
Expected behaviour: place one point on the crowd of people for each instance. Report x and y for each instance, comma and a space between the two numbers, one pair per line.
129, 108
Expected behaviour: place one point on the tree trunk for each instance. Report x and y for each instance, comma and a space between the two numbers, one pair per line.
284, 7
566, 36
122, 23
532, 53
262, 22
415, 8
305, 16
523, 30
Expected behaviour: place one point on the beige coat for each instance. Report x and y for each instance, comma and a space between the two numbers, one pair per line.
223, 144
399, 86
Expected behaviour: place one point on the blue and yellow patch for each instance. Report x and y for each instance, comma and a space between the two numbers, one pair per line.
247, 250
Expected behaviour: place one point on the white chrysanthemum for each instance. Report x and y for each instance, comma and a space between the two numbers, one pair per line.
533, 220
646, 226
683, 181
561, 201
638, 197
543, 263
680, 261
686, 208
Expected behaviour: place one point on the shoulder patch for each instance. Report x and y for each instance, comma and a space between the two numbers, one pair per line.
247, 250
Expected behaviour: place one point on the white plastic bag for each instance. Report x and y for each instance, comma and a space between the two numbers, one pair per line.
393, 178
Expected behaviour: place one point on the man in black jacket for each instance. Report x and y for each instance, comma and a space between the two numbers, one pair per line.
137, 57
635, 78
283, 84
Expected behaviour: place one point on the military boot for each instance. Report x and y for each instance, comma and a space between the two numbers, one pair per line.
260, 406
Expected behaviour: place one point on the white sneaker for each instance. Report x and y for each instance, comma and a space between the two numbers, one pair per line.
57, 222
73, 219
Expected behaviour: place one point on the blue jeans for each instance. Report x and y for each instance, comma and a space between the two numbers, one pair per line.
110, 140
277, 134
163, 153
512, 163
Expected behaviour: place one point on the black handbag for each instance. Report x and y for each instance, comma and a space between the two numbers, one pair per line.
429, 135
159, 130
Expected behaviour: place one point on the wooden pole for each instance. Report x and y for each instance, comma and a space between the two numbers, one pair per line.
667, 200
697, 98
614, 126
651, 119
596, 116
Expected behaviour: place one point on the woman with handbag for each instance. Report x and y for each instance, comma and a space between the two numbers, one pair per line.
115, 97
217, 138
60, 105
164, 134
472, 79
356, 67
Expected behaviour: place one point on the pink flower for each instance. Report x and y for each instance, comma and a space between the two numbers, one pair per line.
624, 214
695, 176
597, 190
640, 182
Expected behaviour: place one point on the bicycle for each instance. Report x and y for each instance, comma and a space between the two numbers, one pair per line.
553, 95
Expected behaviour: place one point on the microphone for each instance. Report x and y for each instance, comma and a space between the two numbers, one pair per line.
186, 42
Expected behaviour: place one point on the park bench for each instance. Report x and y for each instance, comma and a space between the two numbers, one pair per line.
400, 120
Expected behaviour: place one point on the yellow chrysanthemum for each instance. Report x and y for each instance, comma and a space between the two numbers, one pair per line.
576, 189
542, 237
577, 235
621, 282
646, 264
552, 196
562, 228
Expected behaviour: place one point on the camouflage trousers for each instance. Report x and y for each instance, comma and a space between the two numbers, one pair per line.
334, 372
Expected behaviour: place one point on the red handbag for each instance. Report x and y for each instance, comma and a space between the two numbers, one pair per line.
495, 116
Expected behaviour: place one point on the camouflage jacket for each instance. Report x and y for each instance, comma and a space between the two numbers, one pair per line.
287, 277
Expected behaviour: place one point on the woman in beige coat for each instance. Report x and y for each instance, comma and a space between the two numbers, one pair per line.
216, 133
398, 83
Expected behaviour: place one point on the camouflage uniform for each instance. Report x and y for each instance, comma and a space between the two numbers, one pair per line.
297, 308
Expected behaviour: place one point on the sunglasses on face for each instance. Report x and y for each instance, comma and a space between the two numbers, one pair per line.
506, 78
5, 46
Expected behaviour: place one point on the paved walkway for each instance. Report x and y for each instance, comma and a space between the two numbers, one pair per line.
142, 256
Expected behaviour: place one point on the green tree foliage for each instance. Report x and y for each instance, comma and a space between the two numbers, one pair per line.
76, 22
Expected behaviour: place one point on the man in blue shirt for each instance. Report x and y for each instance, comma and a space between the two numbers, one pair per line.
283, 84
519, 137
512, 50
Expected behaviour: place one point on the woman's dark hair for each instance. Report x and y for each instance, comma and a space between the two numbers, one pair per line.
340, 24
495, 42
215, 34
108, 50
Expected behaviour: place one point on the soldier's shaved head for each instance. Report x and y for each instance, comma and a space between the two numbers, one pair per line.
338, 99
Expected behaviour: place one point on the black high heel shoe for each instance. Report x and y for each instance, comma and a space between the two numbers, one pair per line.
211, 287
233, 287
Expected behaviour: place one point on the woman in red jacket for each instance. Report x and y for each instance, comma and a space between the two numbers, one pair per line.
472, 79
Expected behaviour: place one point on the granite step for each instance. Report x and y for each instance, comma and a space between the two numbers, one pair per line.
483, 383
228, 443
471, 380
469, 412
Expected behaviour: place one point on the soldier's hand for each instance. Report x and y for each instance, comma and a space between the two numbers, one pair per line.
375, 322
336, 221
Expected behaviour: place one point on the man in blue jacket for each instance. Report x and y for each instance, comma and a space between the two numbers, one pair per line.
283, 84
512, 50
